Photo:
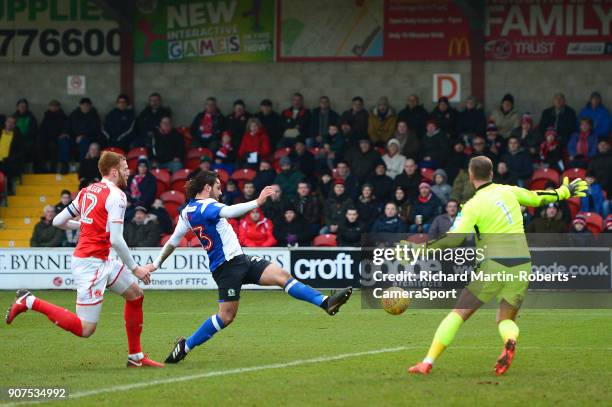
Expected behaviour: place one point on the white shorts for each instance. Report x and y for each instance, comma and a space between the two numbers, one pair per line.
92, 276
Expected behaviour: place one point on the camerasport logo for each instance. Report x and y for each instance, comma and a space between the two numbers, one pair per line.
58, 281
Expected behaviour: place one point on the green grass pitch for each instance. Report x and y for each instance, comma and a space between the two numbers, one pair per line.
280, 351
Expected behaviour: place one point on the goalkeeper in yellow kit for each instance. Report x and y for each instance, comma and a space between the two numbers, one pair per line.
493, 213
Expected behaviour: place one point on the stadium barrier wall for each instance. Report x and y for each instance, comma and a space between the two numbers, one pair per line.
332, 267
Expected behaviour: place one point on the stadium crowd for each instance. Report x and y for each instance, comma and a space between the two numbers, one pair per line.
336, 175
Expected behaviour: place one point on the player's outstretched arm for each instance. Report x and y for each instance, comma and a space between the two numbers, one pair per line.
567, 190
181, 229
235, 211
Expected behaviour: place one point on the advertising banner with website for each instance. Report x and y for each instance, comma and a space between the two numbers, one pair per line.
186, 268
37, 31
540, 29
199, 31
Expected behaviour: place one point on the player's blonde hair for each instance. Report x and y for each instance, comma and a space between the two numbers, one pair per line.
481, 168
108, 161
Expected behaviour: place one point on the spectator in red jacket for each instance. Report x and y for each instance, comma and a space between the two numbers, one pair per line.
256, 230
255, 144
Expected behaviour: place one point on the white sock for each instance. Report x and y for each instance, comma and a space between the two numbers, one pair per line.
136, 356
187, 348
30, 301
428, 360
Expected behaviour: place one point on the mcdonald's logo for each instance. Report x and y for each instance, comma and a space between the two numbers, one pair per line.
457, 47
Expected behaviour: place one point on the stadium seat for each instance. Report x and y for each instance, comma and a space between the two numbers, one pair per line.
173, 200
574, 206
327, 240
573, 173
427, 174
187, 138
194, 156
281, 152
223, 175
162, 177
133, 156
243, 174
594, 222
115, 150
179, 178
542, 176
315, 150
183, 243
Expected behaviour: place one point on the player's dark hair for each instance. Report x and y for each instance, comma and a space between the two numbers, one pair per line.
196, 184
481, 168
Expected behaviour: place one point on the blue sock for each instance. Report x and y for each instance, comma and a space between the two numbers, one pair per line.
303, 292
210, 327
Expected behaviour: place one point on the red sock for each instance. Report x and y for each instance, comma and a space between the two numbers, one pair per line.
133, 324
59, 316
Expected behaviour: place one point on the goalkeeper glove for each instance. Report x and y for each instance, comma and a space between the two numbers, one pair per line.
576, 188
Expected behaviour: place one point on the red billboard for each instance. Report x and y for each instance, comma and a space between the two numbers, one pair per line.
539, 29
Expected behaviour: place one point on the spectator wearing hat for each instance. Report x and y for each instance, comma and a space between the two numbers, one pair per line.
256, 230
518, 161
53, 142
594, 199
495, 143
560, 117
414, 115
551, 154
506, 117
381, 183
308, 206
583, 144
409, 140
28, 127
12, 152
237, 122
362, 159
296, 119
435, 146
357, 118
393, 159
409, 180
335, 207
503, 175
351, 184
119, 124
445, 117
271, 121
142, 230
88, 166
149, 119
265, 176
601, 122
442, 223
226, 154
291, 229
303, 160
426, 207
457, 160
550, 221
601, 165
404, 205
45, 234
608, 224
381, 122
471, 120
275, 205
389, 221
350, 229
440, 186
368, 205
163, 218
320, 119
529, 137
85, 127
205, 165
168, 146
141, 187
255, 144
580, 235
230, 193
288, 178
207, 125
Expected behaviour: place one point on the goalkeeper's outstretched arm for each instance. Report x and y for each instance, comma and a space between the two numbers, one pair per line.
567, 190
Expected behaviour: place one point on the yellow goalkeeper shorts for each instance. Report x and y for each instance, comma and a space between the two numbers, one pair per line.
506, 282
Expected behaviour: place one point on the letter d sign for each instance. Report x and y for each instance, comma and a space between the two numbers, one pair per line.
447, 85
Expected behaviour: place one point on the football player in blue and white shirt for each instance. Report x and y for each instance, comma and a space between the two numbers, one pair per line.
230, 267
